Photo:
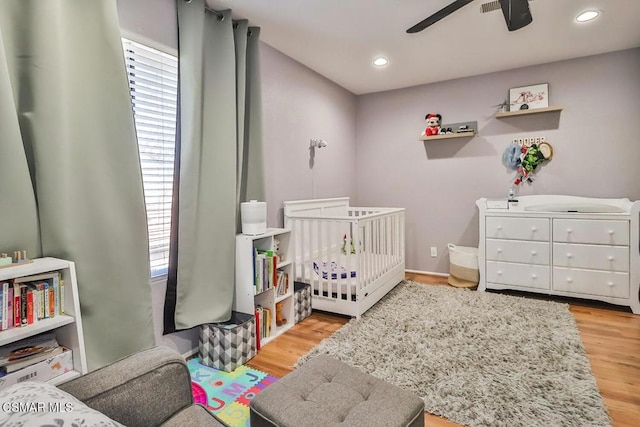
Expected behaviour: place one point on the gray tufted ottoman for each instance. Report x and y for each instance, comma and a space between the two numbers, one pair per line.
325, 392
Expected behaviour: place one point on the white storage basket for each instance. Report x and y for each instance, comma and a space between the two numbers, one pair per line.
463, 269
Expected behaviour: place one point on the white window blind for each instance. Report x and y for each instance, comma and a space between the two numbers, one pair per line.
153, 81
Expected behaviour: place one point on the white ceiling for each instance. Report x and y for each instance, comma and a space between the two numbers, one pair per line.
339, 38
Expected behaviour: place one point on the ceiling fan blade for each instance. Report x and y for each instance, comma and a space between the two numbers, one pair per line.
442, 13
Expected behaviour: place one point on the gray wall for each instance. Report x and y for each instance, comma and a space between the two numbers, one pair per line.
596, 146
299, 104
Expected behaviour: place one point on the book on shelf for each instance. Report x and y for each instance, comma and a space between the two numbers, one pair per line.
265, 269
23, 305
267, 322
258, 323
28, 352
9, 304
4, 305
29, 299
282, 283
16, 305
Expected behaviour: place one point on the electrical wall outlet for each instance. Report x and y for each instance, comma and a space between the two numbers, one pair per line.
434, 251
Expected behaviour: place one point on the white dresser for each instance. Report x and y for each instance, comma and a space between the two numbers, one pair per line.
563, 245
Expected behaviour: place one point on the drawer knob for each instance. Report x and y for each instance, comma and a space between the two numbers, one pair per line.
534, 228
569, 280
499, 227
499, 272
499, 250
569, 255
534, 276
611, 258
611, 232
569, 230
534, 252
610, 284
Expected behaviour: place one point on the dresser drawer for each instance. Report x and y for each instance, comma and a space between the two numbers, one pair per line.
591, 282
499, 227
605, 232
525, 252
525, 275
597, 257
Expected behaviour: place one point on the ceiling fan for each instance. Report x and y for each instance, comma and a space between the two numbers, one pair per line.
516, 13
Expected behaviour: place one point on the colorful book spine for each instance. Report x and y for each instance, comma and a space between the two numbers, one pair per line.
10, 313
56, 295
4, 295
62, 308
45, 300
23, 305
17, 306
30, 305
51, 303
41, 305
258, 324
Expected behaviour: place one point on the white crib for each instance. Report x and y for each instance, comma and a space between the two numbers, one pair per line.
350, 256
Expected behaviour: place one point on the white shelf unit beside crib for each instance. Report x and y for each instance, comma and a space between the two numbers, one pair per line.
247, 296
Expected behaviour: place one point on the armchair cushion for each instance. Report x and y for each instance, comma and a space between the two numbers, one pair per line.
145, 389
31, 404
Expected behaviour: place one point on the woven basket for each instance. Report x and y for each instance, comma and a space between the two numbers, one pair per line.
463, 267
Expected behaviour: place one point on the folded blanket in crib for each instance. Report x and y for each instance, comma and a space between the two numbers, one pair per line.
325, 268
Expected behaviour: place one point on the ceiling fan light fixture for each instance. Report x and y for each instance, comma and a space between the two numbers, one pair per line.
587, 15
380, 61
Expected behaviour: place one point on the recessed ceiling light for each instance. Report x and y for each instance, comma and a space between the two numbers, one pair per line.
380, 61
587, 15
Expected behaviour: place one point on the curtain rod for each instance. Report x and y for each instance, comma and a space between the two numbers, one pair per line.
208, 9
219, 14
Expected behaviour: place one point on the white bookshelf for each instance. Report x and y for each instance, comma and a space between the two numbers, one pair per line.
67, 327
246, 298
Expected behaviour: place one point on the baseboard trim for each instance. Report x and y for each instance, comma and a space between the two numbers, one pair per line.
189, 354
431, 273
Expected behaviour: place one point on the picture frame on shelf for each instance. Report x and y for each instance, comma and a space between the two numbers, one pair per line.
529, 97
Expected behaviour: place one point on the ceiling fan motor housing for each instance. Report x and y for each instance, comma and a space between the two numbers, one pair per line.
516, 13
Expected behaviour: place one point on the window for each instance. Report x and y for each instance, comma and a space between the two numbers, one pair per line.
153, 82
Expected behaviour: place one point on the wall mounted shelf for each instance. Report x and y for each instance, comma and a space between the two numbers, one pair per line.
447, 136
527, 112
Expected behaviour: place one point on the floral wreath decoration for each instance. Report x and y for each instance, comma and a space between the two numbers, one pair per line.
525, 158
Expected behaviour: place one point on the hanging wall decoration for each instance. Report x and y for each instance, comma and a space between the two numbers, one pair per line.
524, 156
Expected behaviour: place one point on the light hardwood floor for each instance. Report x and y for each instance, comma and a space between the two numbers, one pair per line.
611, 337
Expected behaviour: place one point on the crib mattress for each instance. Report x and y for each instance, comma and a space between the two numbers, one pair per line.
336, 273
332, 269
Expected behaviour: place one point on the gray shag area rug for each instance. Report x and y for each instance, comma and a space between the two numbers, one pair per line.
476, 358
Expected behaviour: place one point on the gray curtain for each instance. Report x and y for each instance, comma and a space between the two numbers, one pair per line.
251, 174
219, 138
70, 163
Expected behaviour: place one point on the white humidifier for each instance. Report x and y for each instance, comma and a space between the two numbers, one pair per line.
254, 217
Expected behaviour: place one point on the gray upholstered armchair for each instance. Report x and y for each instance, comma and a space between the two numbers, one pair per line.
149, 388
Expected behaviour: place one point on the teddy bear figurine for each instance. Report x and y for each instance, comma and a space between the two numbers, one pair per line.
433, 124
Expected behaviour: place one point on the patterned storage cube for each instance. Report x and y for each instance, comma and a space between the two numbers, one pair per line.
302, 301
225, 346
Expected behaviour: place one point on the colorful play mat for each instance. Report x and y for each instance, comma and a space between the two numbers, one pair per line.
227, 394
